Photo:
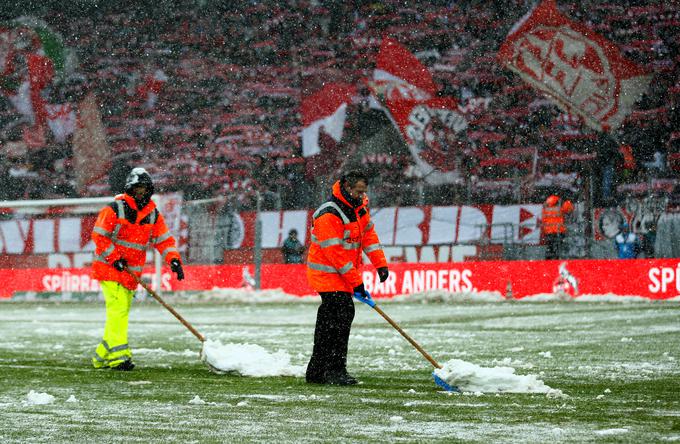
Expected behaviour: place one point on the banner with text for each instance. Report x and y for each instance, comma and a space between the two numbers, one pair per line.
649, 278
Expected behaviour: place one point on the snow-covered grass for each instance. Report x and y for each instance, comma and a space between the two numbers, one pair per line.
606, 372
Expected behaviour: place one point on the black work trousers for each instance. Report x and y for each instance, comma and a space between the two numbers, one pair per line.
331, 335
553, 245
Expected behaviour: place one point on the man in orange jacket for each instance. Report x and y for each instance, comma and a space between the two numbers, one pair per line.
342, 231
553, 225
121, 234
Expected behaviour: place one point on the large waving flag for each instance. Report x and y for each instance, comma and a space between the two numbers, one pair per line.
430, 125
327, 109
580, 70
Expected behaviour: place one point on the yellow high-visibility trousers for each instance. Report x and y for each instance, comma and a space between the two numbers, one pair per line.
114, 348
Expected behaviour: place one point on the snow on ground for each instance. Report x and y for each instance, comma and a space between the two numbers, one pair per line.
470, 377
553, 346
39, 398
248, 360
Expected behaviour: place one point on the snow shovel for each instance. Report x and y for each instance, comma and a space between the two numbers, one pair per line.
179, 317
439, 381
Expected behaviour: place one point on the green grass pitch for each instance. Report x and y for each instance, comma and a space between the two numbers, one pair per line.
619, 364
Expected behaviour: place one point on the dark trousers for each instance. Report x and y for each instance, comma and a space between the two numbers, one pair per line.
553, 245
331, 335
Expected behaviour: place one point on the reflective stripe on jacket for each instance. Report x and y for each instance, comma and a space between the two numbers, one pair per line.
340, 233
123, 231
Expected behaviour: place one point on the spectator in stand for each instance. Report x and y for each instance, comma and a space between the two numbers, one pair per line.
292, 249
627, 243
553, 226
649, 239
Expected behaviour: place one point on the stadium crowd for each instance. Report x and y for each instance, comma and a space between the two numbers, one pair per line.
206, 97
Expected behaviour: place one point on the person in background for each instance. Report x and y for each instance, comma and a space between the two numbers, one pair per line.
627, 243
292, 249
553, 227
341, 232
648, 243
121, 234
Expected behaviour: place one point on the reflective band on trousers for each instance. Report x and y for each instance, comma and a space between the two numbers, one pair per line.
328, 269
116, 348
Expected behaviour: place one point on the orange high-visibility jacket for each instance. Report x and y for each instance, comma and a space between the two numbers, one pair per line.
340, 233
553, 216
123, 231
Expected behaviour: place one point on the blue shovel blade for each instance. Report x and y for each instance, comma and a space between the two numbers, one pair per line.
445, 385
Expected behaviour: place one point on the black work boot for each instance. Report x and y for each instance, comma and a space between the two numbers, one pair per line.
351, 379
315, 377
339, 378
124, 366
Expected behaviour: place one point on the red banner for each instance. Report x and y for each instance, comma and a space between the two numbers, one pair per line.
582, 71
649, 278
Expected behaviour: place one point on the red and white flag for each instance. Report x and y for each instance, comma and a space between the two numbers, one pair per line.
327, 109
151, 87
40, 74
581, 71
61, 118
430, 125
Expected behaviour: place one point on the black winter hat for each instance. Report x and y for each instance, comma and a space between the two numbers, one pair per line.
138, 176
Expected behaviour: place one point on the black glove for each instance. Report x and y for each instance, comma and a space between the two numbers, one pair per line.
120, 264
359, 290
176, 268
383, 272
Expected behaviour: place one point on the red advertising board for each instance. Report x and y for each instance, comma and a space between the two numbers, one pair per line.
650, 278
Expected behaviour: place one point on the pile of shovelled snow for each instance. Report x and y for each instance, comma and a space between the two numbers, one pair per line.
470, 377
38, 398
248, 360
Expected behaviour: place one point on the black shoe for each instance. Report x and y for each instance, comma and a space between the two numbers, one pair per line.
124, 366
340, 378
352, 380
315, 378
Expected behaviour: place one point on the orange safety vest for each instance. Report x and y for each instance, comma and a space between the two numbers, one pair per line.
123, 231
553, 217
340, 233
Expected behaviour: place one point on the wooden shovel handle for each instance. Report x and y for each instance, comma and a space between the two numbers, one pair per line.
168, 307
408, 338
